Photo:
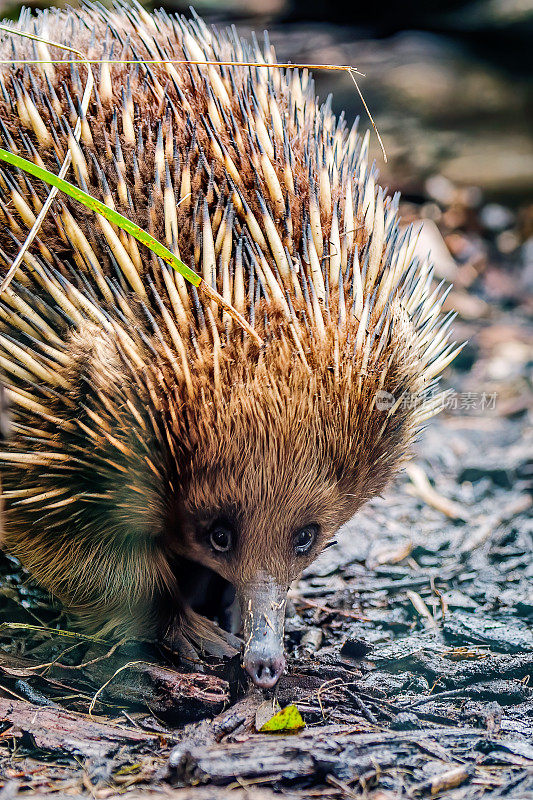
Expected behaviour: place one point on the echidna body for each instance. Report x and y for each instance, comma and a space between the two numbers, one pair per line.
155, 444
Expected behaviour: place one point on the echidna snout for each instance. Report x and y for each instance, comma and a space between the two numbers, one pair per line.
263, 607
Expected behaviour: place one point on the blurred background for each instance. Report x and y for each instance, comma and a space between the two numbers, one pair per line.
449, 83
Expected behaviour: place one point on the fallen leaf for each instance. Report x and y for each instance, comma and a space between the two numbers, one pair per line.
287, 719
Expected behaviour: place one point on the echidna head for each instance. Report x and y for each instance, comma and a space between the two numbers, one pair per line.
276, 468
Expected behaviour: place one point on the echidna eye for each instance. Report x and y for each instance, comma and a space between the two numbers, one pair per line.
220, 538
305, 539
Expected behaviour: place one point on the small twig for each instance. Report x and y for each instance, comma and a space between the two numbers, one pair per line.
328, 610
421, 608
345, 789
233, 313
22, 626
114, 675
131, 721
422, 488
352, 72
57, 663
380, 704
163, 61
449, 695
363, 708
84, 664
446, 780
323, 688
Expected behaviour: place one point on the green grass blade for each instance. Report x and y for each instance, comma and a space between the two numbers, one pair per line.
100, 208
21, 626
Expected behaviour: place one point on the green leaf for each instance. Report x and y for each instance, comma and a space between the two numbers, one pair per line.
288, 719
100, 208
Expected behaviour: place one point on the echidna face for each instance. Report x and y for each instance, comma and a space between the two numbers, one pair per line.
259, 547
270, 483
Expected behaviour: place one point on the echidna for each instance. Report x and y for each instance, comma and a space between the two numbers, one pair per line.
162, 461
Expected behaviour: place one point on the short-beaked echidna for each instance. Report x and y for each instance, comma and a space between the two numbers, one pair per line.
160, 457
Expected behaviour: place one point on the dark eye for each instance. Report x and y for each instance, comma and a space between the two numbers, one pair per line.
305, 539
220, 538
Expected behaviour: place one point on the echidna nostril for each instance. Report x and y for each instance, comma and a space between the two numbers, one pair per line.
264, 671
